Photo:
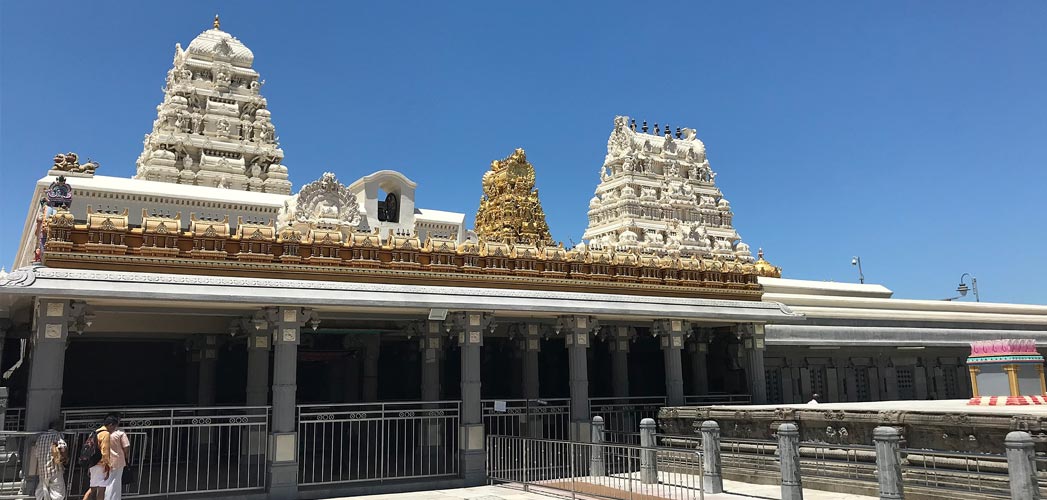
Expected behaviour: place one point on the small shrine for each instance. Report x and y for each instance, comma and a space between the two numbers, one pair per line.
1006, 372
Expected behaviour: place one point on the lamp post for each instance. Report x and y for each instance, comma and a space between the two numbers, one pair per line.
962, 287
857, 261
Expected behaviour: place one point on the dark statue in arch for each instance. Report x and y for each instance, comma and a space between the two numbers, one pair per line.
389, 210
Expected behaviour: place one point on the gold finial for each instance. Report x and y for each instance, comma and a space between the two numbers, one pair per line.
217, 23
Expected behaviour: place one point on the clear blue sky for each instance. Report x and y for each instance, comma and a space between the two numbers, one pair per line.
910, 133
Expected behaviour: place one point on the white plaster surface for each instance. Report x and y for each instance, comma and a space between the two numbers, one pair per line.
935, 406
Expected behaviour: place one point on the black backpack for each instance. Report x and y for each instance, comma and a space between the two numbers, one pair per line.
90, 452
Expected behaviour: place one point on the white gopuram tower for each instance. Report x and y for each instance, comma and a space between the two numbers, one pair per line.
213, 128
657, 195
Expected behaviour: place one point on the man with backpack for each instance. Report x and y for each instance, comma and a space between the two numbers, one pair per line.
97, 455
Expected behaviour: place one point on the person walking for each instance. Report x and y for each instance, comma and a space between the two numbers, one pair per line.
48, 462
120, 447
101, 472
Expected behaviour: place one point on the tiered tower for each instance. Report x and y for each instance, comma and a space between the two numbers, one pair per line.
510, 211
657, 195
213, 128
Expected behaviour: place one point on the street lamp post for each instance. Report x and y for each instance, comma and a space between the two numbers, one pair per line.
962, 287
857, 261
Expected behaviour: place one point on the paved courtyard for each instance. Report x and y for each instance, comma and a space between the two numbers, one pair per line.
737, 491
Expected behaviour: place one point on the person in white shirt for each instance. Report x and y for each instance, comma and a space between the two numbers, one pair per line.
814, 399
119, 448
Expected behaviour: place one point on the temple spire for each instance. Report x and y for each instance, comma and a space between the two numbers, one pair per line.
217, 23
213, 128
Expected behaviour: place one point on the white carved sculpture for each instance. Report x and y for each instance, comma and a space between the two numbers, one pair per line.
324, 203
221, 128
679, 210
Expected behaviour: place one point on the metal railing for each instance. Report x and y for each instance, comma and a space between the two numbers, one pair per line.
14, 462
624, 414
607, 470
838, 461
377, 441
985, 475
182, 450
14, 419
550, 418
750, 455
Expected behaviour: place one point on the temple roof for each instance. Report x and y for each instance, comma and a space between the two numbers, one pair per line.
215, 42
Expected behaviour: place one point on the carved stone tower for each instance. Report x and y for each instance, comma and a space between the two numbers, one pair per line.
509, 209
213, 128
657, 195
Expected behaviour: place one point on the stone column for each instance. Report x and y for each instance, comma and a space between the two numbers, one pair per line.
432, 352
890, 382
372, 348
576, 330
753, 341
1021, 466
788, 383
875, 382
699, 350
832, 383
286, 325
789, 456
888, 462
712, 468
207, 356
920, 380
671, 333
470, 329
47, 364
258, 367
532, 345
620, 361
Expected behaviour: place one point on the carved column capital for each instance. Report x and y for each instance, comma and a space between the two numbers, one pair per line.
621, 337
469, 325
577, 329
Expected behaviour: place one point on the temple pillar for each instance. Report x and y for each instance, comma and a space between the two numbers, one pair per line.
788, 384
286, 323
532, 345
469, 327
206, 354
832, 383
351, 392
258, 368
372, 349
432, 352
47, 364
920, 380
620, 361
699, 350
752, 336
671, 333
576, 330
890, 381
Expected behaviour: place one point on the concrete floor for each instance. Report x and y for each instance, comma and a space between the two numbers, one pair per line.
735, 491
